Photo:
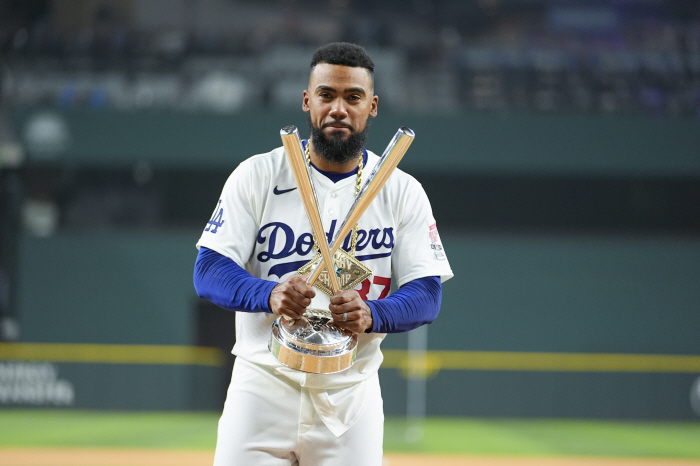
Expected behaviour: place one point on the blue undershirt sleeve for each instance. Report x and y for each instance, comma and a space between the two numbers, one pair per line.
414, 304
228, 285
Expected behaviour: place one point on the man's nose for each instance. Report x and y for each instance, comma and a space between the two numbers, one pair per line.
338, 110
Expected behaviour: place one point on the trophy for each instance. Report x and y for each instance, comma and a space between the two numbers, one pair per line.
315, 343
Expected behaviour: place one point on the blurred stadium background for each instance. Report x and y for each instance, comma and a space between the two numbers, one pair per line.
559, 142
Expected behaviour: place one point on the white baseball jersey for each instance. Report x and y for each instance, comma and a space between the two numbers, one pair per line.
262, 225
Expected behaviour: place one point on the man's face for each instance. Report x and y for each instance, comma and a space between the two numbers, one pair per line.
339, 101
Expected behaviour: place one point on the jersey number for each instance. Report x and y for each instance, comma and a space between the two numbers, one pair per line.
216, 220
381, 281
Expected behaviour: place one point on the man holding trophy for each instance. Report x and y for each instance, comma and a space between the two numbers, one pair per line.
303, 244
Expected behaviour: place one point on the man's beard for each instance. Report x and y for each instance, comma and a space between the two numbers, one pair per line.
335, 149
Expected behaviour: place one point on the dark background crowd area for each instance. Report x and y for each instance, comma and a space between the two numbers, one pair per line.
617, 57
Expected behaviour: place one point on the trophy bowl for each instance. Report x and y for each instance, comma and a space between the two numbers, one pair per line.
313, 344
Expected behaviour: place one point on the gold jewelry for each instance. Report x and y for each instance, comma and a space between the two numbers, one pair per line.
349, 271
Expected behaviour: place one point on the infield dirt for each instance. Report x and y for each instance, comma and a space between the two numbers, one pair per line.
148, 457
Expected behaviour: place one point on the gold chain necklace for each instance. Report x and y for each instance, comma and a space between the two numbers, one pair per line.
358, 188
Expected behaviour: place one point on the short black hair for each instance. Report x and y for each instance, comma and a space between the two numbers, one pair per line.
345, 54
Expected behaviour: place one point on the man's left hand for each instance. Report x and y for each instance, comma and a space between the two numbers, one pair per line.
351, 312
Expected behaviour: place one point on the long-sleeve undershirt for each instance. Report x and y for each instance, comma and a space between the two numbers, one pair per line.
226, 284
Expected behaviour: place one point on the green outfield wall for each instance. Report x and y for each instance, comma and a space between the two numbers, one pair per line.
455, 143
562, 326
575, 241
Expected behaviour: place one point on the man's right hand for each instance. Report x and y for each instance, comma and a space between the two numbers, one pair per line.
291, 297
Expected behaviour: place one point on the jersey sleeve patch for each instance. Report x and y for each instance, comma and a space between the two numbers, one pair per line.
435, 243
217, 220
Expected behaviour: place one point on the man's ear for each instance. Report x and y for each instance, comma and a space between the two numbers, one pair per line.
305, 102
373, 108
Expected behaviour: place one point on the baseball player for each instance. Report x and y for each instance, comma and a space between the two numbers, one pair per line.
259, 236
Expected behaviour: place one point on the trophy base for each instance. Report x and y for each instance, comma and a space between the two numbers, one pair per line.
314, 344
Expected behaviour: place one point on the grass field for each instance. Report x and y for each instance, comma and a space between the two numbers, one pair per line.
458, 436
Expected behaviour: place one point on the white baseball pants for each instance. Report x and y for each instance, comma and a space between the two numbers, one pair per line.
269, 420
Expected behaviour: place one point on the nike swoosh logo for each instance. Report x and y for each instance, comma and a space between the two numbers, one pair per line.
282, 191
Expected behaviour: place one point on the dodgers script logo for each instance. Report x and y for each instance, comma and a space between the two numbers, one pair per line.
282, 242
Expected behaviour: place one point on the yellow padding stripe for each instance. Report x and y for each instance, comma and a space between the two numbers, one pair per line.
433, 361
111, 354
428, 363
